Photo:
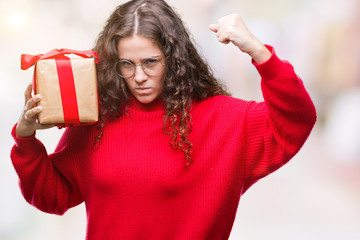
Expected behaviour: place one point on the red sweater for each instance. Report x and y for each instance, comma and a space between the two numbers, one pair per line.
135, 186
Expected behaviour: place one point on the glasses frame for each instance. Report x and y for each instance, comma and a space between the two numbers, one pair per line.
117, 68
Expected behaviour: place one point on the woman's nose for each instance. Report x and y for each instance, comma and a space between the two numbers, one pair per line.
140, 75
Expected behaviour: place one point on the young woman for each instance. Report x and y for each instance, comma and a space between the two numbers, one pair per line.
172, 153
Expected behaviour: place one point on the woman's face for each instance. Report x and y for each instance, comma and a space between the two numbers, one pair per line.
144, 84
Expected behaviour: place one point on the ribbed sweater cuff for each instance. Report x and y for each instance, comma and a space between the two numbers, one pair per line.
24, 144
270, 67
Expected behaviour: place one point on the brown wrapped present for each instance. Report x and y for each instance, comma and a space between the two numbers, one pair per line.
68, 86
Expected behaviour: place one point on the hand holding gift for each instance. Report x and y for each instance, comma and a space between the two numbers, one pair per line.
27, 124
65, 91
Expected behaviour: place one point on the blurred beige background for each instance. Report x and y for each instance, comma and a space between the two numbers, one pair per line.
315, 196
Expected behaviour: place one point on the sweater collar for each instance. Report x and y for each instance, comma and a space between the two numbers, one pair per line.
154, 106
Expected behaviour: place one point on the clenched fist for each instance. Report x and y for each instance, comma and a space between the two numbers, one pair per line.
231, 28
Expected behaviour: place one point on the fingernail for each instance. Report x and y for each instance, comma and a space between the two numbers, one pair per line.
38, 107
37, 96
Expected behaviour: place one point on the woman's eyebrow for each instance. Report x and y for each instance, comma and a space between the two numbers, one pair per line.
142, 59
156, 56
151, 57
125, 59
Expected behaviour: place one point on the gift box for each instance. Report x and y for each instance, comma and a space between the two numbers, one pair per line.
67, 85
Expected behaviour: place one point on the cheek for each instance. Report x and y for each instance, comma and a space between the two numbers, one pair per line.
161, 80
160, 85
127, 82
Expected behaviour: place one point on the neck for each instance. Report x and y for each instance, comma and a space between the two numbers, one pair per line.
155, 105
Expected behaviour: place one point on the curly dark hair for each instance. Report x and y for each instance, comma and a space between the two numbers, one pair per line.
187, 78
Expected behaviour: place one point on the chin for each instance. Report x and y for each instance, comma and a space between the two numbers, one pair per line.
145, 99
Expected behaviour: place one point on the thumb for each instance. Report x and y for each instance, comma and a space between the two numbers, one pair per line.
213, 27
28, 92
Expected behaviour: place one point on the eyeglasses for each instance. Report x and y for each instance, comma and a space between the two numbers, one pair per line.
151, 67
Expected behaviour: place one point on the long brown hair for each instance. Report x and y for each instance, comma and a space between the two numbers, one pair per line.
187, 78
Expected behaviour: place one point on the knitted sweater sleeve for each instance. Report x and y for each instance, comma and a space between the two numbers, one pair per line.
278, 127
48, 182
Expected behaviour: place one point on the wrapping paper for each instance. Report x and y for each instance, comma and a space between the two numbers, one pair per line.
68, 87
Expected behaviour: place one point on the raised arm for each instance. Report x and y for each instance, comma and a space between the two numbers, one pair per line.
278, 127
284, 120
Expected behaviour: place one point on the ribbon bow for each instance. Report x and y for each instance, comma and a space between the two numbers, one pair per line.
28, 60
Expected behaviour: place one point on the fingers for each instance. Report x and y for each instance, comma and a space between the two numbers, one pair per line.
30, 103
213, 27
231, 28
30, 115
30, 110
27, 123
221, 33
226, 28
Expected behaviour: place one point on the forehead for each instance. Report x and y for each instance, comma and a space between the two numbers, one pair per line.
137, 47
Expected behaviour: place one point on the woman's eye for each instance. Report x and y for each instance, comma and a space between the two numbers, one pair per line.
150, 62
126, 64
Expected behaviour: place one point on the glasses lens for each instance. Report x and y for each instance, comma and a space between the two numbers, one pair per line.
125, 68
151, 67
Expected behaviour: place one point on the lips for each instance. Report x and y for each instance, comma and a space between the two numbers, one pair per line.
143, 90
